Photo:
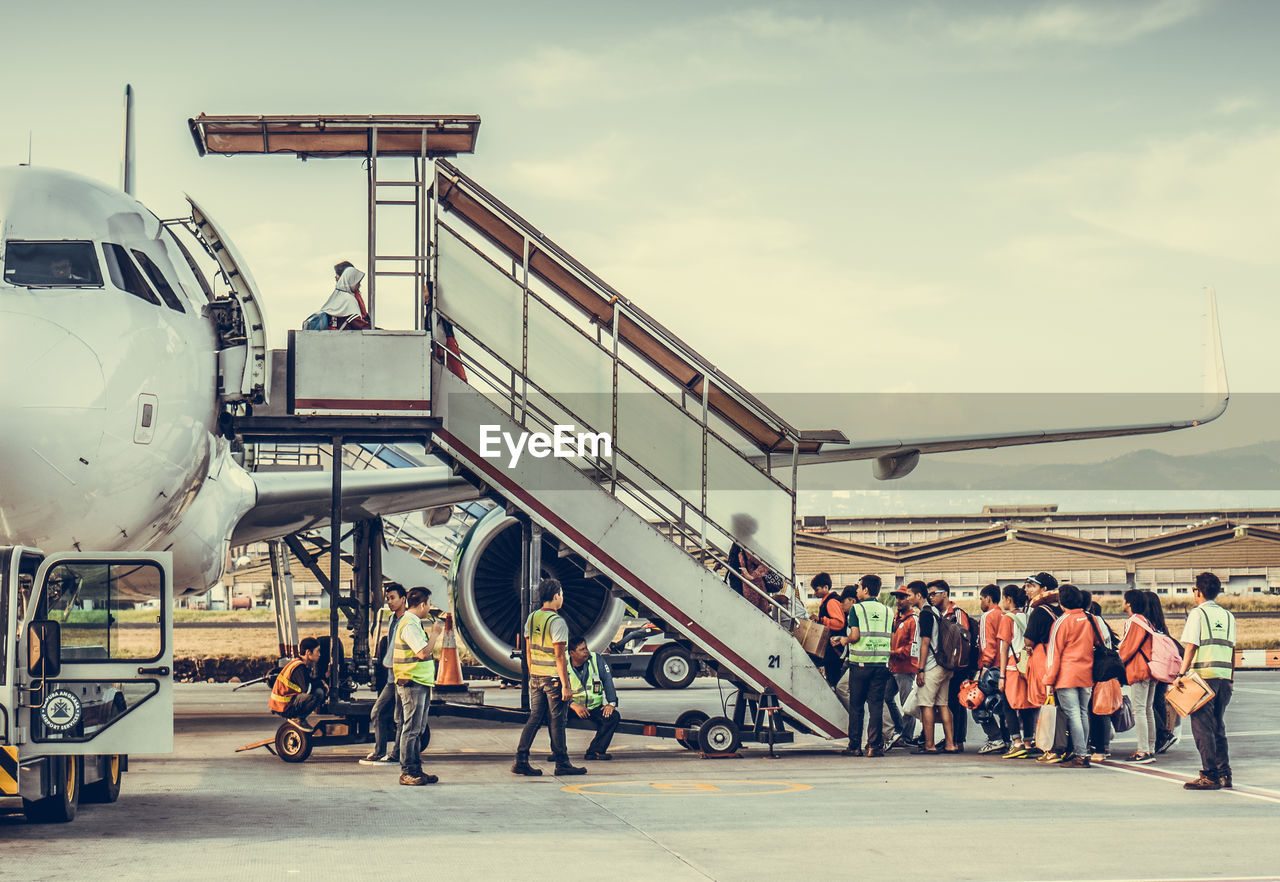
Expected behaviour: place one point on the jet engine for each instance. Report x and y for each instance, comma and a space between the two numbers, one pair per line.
484, 581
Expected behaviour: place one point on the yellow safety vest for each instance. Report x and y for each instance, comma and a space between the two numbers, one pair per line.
405, 664
873, 621
542, 651
1215, 657
595, 697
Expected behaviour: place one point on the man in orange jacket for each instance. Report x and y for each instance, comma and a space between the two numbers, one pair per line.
290, 696
831, 614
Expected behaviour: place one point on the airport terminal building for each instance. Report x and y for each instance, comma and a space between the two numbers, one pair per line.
1105, 552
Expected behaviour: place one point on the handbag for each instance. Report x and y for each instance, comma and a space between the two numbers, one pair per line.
1047, 725
1122, 720
1107, 698
1106, 661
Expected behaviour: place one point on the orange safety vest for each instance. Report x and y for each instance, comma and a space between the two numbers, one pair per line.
284, 689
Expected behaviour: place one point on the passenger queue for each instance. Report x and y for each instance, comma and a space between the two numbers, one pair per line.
1040, 670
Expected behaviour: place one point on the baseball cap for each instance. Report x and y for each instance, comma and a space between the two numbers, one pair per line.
899, 592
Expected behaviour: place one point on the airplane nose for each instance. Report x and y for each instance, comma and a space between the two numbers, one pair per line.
52, 413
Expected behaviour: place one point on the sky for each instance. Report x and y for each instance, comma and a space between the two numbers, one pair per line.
978, 197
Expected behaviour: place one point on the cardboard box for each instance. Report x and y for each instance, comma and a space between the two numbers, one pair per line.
1188, 694
815, 638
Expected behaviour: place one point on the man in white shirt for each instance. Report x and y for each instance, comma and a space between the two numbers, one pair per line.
385, 715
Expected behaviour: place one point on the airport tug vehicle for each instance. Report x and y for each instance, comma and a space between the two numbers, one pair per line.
79, 692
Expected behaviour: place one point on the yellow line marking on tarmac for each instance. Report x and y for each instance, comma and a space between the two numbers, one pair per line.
686, 787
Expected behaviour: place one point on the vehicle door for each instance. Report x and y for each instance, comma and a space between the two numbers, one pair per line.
97, 661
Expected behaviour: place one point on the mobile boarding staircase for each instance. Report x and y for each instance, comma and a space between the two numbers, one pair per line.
696, 463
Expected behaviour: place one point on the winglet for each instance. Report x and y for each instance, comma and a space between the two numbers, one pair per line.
1216, 390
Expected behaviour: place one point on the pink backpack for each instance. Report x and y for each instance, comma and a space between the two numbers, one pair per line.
1166, 660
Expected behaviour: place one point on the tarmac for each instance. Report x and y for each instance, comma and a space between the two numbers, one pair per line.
658, 811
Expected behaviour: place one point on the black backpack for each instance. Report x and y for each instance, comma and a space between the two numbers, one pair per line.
951, 643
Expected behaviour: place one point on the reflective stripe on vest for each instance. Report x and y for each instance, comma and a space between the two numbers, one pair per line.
1215, 657
593, 698
405, 664
284, 689
542, 651
874, 637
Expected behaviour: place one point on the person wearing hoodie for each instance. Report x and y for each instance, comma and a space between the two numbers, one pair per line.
345, 306
1069, 671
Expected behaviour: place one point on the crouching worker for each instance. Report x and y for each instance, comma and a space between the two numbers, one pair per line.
415, 673
290, 697
594, 697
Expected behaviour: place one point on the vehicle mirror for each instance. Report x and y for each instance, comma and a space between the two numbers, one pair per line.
44, 649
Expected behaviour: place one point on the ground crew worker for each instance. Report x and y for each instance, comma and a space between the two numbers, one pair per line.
868, 655
385, 716
545, 635
831, 614
594, 696
415, 672
1209, 638
289, 695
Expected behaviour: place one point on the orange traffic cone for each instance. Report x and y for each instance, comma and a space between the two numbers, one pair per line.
450, 673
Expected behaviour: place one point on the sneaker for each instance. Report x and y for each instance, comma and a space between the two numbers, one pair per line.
1100, 756
896, 741
1203, 783
376, 759
851, 751
1143, 759
301, 725
1075, 762
1051, 758
1167, 743
993, 747
1016, 752
875, 751
1033, 752
417, 780
1225, 781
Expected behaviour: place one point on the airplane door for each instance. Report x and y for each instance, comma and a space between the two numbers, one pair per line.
114, 690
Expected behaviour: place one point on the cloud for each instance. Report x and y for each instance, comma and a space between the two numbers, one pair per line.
580, 177
1232, 105
1206, 194
1078, 23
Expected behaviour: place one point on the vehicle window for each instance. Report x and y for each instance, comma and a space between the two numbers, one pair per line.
158, 280
124, 275
90, 599
51, 264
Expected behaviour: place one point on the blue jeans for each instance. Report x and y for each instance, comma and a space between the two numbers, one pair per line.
385, 719
545, 703
415, 703
1074, 702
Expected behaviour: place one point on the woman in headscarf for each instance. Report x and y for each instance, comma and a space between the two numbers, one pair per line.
345, 307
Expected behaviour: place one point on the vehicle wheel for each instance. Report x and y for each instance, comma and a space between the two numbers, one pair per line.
425, 738
673, 667
108, 788
292, 744
719, 735
648, 677
690, 719
61, 807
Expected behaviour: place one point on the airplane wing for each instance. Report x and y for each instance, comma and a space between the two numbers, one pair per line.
288, 502
896, 457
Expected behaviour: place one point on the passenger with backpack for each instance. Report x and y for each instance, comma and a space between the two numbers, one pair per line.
1136, 649
934, 678
994, 725
966, 663
1166, 736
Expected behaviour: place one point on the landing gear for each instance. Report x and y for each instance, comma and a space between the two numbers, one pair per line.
60, 808
673, 667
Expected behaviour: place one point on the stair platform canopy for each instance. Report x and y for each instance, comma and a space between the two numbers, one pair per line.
666, 464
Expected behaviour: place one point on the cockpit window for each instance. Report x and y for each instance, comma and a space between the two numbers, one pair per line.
158, 280
124, 275
51, 264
